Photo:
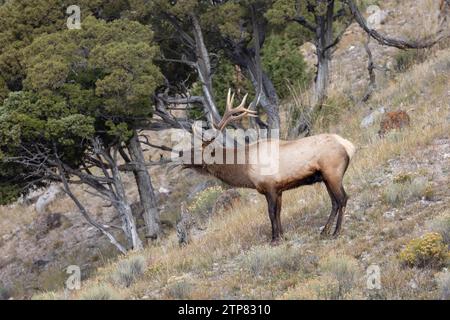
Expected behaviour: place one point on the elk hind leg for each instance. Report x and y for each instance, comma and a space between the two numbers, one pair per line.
334, 209
342, 204
338, 197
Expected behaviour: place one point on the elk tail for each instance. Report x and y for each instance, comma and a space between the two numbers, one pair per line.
348, 146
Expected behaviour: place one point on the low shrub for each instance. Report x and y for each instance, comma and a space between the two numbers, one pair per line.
129, 270
49, 295
269, 260
441, 225
101, 292
5, 293
420, 188
330, 112
404, 189
204, 202
345, 270
426, 251
405, 59
318, 288
323, 287
443, 285
180, 290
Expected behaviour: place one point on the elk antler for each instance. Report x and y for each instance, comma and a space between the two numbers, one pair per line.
230, 112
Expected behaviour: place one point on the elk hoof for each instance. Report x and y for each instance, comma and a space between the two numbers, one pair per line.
275, 242
336, 234
325, 233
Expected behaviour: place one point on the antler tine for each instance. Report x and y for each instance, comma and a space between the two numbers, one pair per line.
247, 110
242, 102
241, 107
228, 105
230, 99
231, 103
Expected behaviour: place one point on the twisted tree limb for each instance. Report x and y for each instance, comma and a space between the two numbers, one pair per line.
427, 42
82, 209
370, 69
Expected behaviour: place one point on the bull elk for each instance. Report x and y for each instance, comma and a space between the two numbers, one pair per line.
319, 158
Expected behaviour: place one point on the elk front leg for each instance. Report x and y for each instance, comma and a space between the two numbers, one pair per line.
278, 215
273, 209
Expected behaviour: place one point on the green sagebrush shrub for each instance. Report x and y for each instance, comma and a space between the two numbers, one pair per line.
426, 251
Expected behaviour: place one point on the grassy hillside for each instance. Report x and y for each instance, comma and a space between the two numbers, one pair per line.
398, 188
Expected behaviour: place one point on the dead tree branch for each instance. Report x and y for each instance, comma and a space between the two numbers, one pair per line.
393, 42
370, 68
82, 209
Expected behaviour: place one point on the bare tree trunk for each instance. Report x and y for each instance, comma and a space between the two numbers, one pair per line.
200, 61
101, 228
322, 79
324, 36
203, 65
83, 210
249, 59
264, 86
121, 203
370, 68
145, 188
268, 97
129, 224
271, 103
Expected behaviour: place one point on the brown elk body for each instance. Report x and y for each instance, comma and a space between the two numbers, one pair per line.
393, 120
319, 158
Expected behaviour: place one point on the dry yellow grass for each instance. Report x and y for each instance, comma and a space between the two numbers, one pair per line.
15, 215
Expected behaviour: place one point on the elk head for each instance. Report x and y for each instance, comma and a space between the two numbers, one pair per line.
204, 140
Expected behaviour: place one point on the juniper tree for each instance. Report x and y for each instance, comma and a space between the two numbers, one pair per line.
99, 73
21, 21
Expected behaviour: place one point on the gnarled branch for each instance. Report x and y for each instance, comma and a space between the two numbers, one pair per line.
389, 41
370, 69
